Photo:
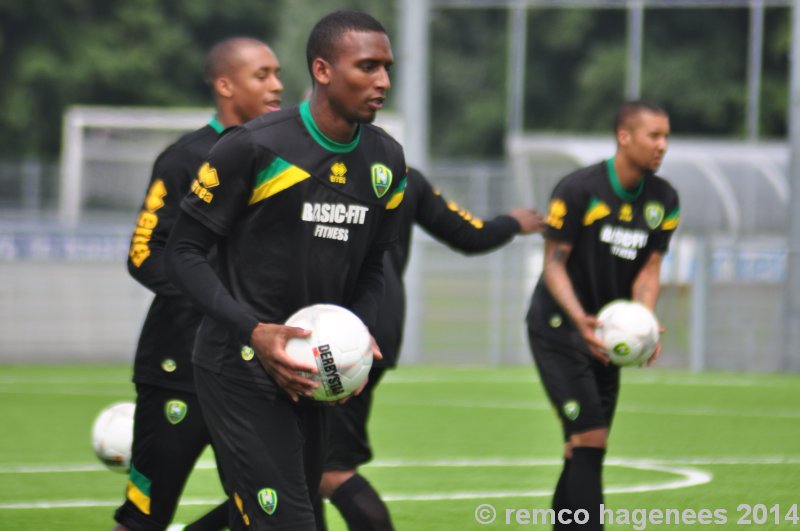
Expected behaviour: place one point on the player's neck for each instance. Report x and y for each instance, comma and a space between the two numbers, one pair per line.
332, 124
628, 174
227, 117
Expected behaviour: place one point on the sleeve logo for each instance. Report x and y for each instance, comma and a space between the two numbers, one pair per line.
206, 178
556, 213
146, 223
381, 179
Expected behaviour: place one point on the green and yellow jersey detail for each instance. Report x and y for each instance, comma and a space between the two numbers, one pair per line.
397, 196
276, 178
596, 210
671, 220
138, 491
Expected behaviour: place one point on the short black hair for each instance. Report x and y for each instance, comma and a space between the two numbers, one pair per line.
629, 109
222, 54
324, 37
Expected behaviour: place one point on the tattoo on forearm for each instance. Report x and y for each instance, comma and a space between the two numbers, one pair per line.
559, 255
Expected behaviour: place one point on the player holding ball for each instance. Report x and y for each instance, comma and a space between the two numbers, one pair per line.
608, 228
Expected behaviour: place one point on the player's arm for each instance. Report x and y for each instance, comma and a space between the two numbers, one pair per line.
370, 287
189, 269
646, 286
369, 294
556, 278
172, 173
459, 229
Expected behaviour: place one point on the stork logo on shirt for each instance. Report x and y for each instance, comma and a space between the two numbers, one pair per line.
653, 214
175, 411
381, 179
268, 500
206, 178
338, 169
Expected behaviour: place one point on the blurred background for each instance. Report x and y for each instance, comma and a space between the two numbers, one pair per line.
494, 100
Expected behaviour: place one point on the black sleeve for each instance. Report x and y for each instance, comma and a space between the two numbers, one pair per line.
370, 287
172, 174
189, 269
456, 227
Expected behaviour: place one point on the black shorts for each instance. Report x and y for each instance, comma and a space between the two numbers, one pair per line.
169, 434
348, 441
583, 391
270, 451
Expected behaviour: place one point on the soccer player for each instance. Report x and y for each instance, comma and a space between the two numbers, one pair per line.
608, 228
169, 430
302, 204
349, 448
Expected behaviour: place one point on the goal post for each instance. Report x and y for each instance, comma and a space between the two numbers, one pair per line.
107, 154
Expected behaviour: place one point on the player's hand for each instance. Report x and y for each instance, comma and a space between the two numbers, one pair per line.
354, 393
376, 354
529, 220
376, 351
654, 356
657, 352
269, 343
586, 326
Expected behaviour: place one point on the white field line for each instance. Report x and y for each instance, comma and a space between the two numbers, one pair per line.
687, 477
457, 463
623, 408
639, 378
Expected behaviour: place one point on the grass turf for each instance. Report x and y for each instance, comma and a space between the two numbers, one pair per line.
447, 440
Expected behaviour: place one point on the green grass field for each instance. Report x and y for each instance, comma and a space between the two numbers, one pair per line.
448, 441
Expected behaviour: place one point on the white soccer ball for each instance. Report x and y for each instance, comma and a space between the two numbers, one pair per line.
630, 330
112, 436
340, 346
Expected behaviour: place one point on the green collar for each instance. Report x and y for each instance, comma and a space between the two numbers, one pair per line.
319, 136
215, 125
623, 194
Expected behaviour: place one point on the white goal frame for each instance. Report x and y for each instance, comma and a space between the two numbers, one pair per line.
78, 118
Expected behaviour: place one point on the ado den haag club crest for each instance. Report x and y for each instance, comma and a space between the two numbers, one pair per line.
175, 411
653, 214
381, 179
268, 500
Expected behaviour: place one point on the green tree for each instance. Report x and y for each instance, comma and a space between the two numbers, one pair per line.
114, 52
468, 83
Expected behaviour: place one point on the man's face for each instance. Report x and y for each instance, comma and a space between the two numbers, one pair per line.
359, 75
255, 82
643, 139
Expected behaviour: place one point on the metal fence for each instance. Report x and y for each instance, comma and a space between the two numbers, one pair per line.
65, 294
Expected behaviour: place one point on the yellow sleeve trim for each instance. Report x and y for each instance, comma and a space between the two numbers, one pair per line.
286, 179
